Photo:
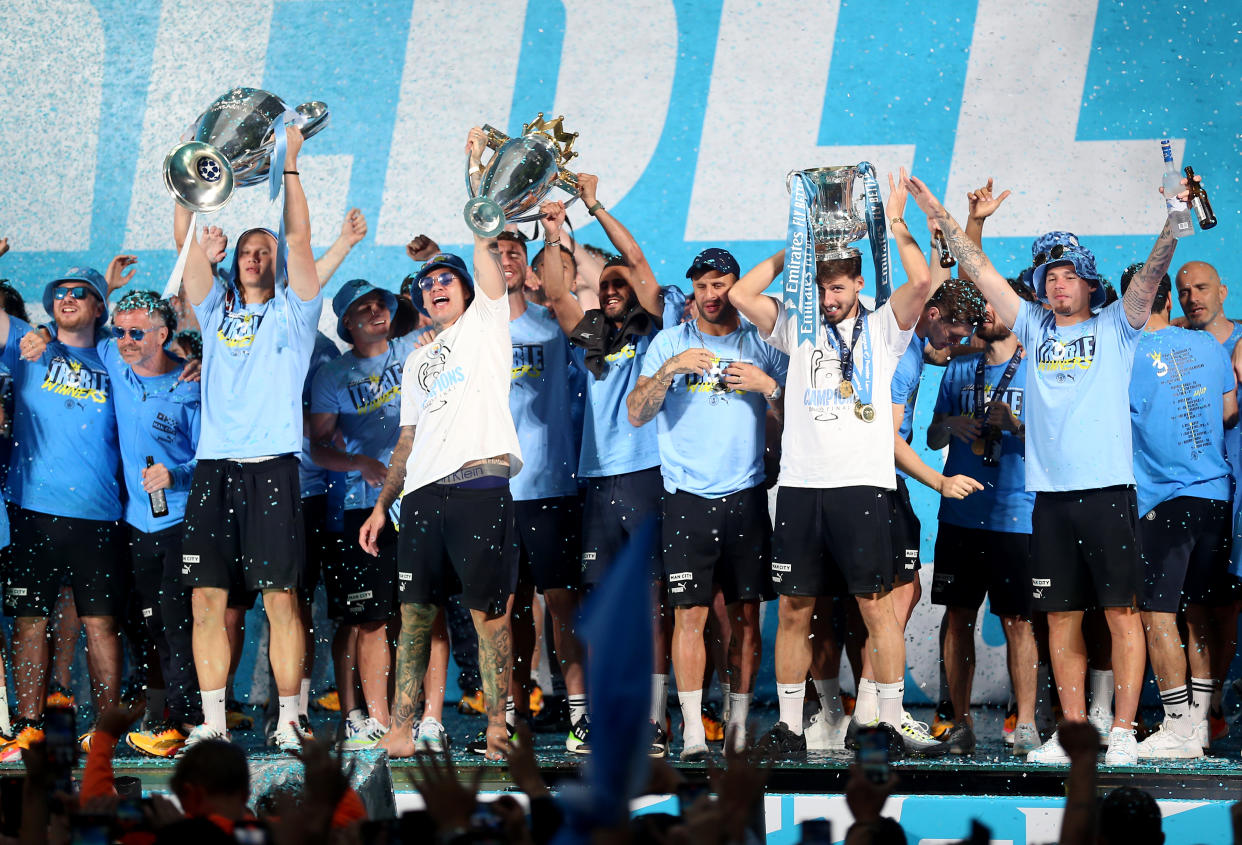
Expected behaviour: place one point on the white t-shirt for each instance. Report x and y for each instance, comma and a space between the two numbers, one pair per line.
824, 444
455, 390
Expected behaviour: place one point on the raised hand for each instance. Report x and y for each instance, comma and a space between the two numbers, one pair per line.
116, 275
476, 143
587, 185
354, 228
553, 218
897, 193
293, 141
214, 243
982, 203
421, 247
922, 195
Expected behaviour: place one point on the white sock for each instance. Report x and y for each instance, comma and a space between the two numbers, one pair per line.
692, 717
725, 704
867, 705
577, 708
890, 697
214, 715
156, 700
304, 698
1202, 691
1176, 703
288, 710
791, 697
829, 692
1102, 690
739, 712
510, 713
355, 718
659, 698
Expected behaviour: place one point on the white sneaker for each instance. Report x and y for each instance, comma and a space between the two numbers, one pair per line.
1167, 744
825, 733
1122, 748
202, 733
1204, 733
1050, 753
359, 737
286, 737
1025, 738
1101, 720
431, 737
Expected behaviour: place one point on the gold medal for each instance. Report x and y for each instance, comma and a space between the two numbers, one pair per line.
866, 413
978, 446
845, 390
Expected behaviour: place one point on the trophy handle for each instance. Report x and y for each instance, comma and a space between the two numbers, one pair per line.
567, 181
495, 140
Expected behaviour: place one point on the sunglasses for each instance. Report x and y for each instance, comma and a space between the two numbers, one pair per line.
441, 279
134, 334
1053, 254
77, 292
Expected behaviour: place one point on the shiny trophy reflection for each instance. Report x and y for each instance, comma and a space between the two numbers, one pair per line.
836, 217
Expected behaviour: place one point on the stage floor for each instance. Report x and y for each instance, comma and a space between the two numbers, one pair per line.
992, 770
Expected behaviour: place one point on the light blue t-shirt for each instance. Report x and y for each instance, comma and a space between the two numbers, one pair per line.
1233, 436
541, 401
711, 438
365, 395
905, 387
610, 445
157, 416
255, 359
1004, 503
1176, 406
314, 479
1078, 429
66, 458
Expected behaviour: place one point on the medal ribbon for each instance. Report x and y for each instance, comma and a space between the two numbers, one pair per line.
877, 233
980, 409
800, 294
855, 369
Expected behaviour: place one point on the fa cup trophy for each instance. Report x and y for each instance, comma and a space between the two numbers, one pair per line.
836, 218
519, 175
231, 145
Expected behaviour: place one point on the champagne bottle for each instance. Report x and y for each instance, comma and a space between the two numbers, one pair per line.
159, 502
946, 257
1199, 201
1179, 214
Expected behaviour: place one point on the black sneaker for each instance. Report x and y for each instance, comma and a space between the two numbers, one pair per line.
578, 741
960, 738
554, 717
479, 744
659, 742
896, 744
780, 743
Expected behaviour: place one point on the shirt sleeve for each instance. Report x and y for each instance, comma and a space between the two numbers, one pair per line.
906, 376
210, 311
324, 397
412, 395
944, 395
894, 337
775, 363
674, 305
183, 474
779, 336
1127, 335
1228, 380
1026, 327
661, 350
303, 314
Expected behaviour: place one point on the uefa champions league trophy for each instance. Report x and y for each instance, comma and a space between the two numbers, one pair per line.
519, 175
232, 144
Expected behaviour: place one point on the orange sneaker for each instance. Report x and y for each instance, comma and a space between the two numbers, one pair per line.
471, 704
163, 740
26, 733
536, 700
942, 721
713, 727
847, 703
58, 696
329, 701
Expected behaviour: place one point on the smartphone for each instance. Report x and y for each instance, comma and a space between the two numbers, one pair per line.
60, 728
250, 832
689, 792
89, 829
873, 754
815, 832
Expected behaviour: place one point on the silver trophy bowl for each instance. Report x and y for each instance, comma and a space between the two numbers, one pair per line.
836, 215
231, 146
519, 176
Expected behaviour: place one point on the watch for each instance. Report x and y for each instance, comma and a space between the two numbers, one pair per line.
775, 394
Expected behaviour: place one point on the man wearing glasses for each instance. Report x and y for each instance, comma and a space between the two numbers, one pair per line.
63, 485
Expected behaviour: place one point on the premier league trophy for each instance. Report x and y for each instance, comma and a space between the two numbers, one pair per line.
519, 175
231, 145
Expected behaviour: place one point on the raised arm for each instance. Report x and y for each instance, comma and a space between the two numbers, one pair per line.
568, 310
589, 268
982, 206
488, 277
908, 300
748, 294
1141, 291
969, 255
645, 286
303, 277
197, 277
353, 230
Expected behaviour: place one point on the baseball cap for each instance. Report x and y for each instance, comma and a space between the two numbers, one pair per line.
90, 276
714, 258
351, 292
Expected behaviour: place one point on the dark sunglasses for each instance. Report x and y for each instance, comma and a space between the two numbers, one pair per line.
441, 279
134, 334
1053, 254
77, 292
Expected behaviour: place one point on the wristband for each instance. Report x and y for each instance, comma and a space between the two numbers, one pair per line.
595, 207
474, 168
292, 173
775, 394
556, 242
893, 221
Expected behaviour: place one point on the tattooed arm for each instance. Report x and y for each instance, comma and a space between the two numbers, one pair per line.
647, 396
368, 535
969, 255
1142, 288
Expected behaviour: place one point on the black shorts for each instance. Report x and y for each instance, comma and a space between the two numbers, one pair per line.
1085, 549
362, 588
150, 556
907, 534
832, 541
616, 506
1186, 543
323, 545
456, 541
550, 534
243, 526
725, 542
52, 551
973, 562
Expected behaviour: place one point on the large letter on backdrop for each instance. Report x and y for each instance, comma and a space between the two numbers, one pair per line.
51, 61
1019, 121
441, 98
764, 111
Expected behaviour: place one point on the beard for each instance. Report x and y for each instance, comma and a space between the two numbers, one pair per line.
998, 332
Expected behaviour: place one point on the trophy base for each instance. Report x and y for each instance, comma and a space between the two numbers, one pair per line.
834, 251
485, 217
199, 177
